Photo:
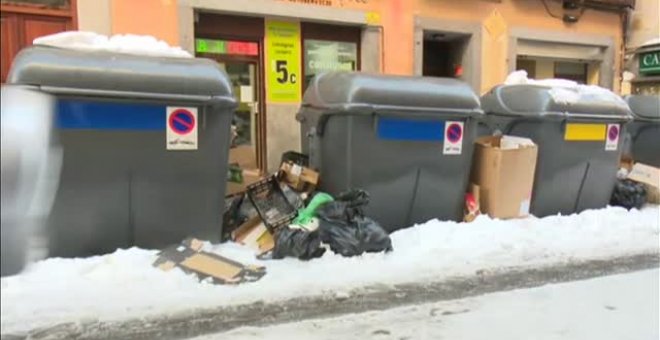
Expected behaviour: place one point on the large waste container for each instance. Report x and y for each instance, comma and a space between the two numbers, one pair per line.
408, 141
578, 135
643, 133
145, 144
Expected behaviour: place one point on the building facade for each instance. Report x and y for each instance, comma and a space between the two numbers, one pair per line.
642, 54
272, 48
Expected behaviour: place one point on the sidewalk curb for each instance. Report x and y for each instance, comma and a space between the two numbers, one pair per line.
214, 320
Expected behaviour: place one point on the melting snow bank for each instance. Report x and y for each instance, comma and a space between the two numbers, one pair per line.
120, 43
124, 284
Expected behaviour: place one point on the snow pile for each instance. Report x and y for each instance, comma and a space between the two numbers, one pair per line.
565, 91
654, 41
124, 284
119, 43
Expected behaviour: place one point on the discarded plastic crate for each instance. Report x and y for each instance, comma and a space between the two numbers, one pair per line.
271, 203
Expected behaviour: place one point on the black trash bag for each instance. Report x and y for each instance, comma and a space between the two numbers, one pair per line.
628, 194
297, 243
347, 231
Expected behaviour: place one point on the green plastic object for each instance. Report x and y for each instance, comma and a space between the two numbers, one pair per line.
306, 214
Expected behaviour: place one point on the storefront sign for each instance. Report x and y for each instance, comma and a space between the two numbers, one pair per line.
283, 61
226, 47
312, 2
649, 62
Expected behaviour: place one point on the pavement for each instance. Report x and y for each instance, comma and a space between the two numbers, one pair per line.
624, 306
222, 319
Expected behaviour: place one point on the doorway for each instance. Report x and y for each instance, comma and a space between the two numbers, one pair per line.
236, 43
444, 54
241, 61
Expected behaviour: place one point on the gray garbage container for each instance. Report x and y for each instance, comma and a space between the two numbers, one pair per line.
578, 139
643, 137
408, 141
133, 171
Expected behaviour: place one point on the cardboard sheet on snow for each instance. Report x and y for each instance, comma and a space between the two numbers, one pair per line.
221, 270
650, 177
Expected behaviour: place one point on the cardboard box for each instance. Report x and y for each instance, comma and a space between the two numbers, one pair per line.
298, 177
192, 260
650, 177
504, 168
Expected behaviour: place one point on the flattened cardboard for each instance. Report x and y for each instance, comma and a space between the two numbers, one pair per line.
255, 235
505, 177
650, 177
206, 265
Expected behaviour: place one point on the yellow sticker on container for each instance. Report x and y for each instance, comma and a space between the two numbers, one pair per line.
585, 132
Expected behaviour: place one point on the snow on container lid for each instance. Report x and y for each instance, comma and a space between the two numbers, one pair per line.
103, 73
644, 107
541, 100
520, 96
365, 93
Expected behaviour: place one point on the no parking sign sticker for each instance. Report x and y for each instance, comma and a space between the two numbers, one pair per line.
181, 128
453, 144
612, 138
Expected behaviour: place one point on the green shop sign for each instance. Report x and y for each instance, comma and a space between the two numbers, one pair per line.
649, 62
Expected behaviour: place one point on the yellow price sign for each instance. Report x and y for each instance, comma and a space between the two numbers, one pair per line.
283, 61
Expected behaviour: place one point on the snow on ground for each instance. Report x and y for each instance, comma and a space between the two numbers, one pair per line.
606, 308
120, 43
124, 284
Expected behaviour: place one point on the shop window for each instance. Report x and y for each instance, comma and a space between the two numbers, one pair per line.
527, 65
575, 71
322, 55
544, 68
329, 48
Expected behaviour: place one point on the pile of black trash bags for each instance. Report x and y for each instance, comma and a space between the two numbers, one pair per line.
342, 226
628, 194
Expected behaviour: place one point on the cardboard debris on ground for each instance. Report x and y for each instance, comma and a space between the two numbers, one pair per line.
650, 177
207, 266
503, 169
254, 235
298, 177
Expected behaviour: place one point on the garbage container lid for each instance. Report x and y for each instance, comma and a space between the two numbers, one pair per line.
644, 106
533, 100
103, 73
361, 92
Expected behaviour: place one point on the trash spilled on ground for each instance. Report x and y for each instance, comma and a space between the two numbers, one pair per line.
636, 185
280, 216
207, 266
